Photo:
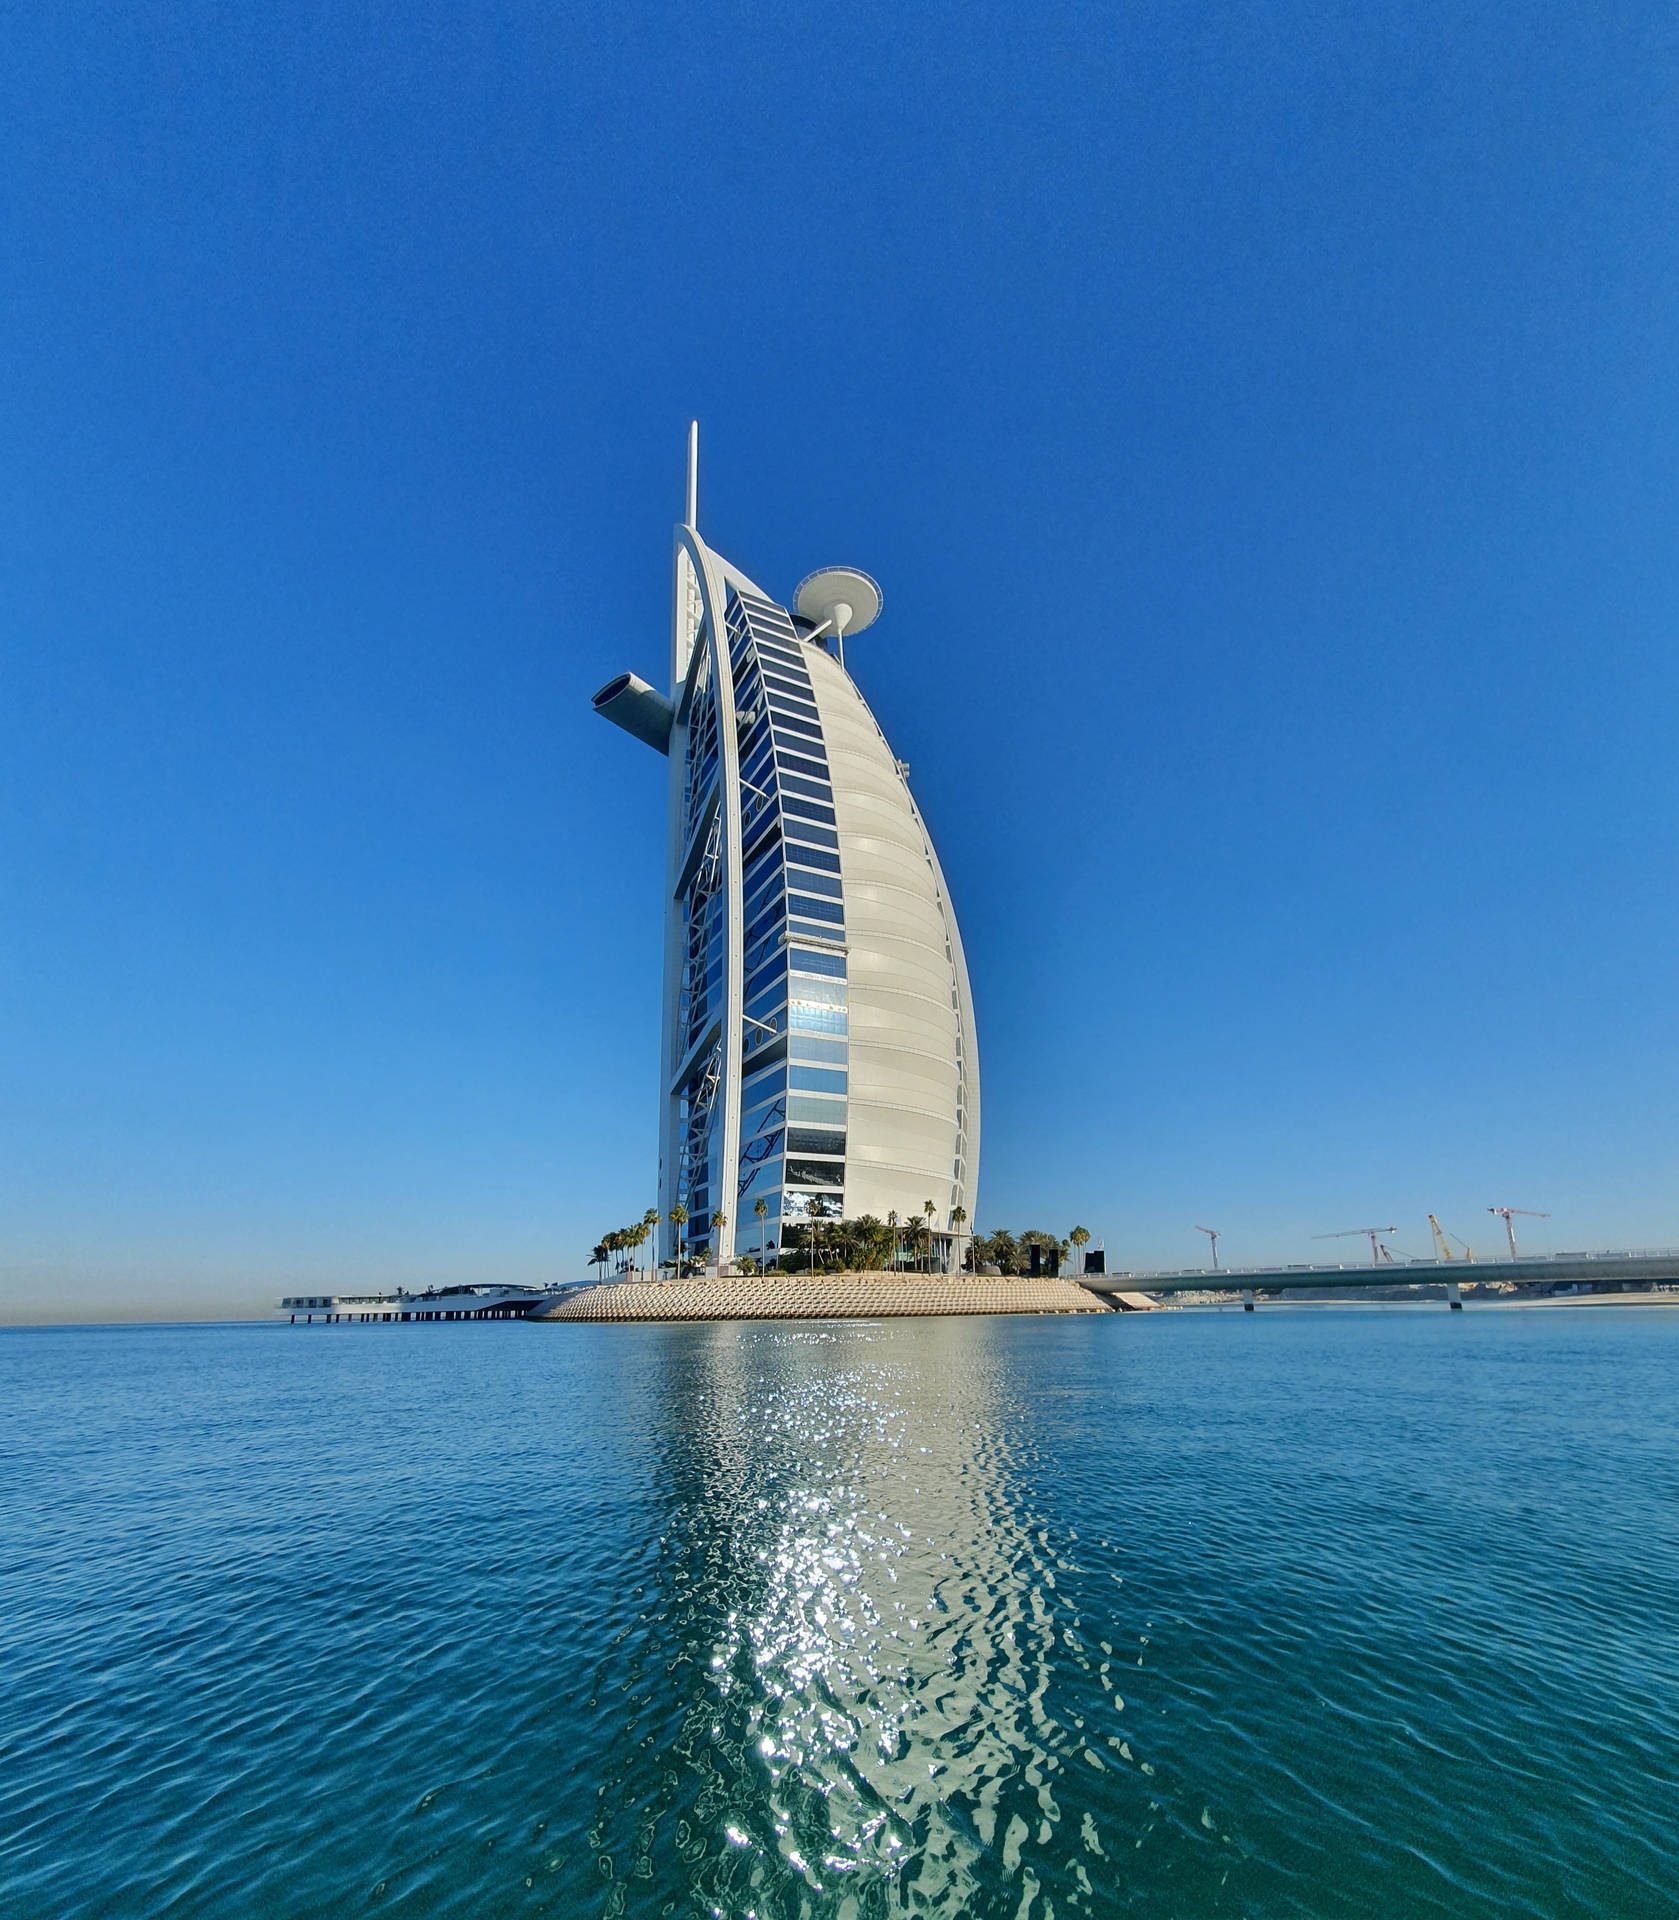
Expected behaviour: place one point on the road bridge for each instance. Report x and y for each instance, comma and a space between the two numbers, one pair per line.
1608, 1272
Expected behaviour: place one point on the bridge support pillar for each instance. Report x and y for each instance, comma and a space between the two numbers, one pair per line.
1454, 1299
1247, 1299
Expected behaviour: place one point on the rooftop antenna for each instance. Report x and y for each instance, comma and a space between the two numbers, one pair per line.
693, 520
838, 600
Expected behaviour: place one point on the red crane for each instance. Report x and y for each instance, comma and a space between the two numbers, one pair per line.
1504, 1214
1378, 1253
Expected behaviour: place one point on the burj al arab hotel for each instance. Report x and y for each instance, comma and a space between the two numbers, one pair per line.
818, 1050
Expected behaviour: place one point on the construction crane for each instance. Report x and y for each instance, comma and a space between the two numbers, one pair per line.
1504, 1213
1212, 1235
1378, 1253
1441, 1247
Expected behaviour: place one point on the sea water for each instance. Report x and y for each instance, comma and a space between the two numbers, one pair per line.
1324, 1612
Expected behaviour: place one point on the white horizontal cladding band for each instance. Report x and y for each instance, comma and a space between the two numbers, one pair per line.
926, 1093
890, 860
929, 1055
913, 1002
905, 1140
891, 966
903, 912
923, 1030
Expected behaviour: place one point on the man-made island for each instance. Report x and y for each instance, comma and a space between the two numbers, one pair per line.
844, 1296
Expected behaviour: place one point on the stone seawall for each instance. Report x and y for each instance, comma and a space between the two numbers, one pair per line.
852, 1296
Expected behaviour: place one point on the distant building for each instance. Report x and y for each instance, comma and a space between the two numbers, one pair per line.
819, 1048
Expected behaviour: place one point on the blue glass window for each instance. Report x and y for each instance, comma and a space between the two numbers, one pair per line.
807, 810
760, 1048
765, 1086
815, 1080
815, 909
763, 1178
801, 831
798, 856
766, 1120
758, 893
792, 715
771, 970
765, 859
804, 961
803, 1018
762, 1005
763, 836
825, 993
804, 1047
766, 919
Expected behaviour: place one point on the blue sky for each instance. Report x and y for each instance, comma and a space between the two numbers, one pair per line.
1262, 421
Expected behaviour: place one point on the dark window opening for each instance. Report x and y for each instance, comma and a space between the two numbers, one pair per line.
815, 1173
815, 1140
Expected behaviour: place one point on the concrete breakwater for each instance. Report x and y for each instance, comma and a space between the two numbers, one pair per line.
850, 1296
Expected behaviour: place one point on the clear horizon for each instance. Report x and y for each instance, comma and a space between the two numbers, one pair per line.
1261, 429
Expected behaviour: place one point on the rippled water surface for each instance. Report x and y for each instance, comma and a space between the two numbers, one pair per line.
1327, 1612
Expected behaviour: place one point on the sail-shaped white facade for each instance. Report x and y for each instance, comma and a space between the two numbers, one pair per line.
819, 1051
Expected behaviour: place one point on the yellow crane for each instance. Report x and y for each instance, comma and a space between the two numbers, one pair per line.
1442, 1249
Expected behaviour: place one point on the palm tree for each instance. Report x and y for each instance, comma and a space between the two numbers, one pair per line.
892, 1222
649, 1226
718, 1222
600, 1257
821, 1209
761, 1212
929, 1210
679, 1219
958, 1218
1080, 1237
